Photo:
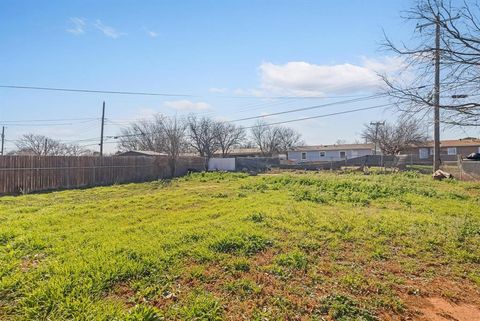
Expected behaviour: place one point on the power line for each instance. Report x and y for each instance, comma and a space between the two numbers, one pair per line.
312, 107
281, 122
363, 98
47, 120
95, 91
43, 124
321, 116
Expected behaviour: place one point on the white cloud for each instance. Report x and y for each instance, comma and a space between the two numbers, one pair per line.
152, 34
186, 105
218, 90
78, 26
107, 30
306, 79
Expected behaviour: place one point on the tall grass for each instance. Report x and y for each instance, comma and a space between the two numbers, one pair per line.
212, 246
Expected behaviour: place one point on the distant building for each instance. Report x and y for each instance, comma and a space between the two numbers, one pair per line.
449, 148
327, 153
241, 152
141, 153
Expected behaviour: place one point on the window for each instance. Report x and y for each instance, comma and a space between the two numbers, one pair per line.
322, 154
304, 156
452, 151
423, 153
342, 154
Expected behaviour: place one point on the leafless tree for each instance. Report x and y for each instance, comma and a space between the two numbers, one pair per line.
412, 87
144, 135
288, 139
203, 136
76, 150
174, 130
40, 145
161, 134
274, 139
394, 138
229, 136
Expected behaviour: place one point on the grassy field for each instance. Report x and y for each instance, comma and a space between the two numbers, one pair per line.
230, 246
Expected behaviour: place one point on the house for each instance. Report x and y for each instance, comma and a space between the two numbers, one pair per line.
328, 153
241, 152
141, 153
449, 149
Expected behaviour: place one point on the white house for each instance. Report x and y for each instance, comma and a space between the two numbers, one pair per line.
327, 153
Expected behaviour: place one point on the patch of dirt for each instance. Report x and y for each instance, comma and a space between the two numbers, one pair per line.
122, 292
31, 262
439, 309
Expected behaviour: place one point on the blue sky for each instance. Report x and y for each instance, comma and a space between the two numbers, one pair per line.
228, 56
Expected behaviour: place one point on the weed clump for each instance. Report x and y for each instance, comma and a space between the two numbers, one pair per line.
143, 313
243, 288
293, 260
202, 306
343, 308
257, 217
243, 243
240, 265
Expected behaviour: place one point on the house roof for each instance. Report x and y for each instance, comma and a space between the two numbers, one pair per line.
332, 147
464, 142
245, 151
142, 153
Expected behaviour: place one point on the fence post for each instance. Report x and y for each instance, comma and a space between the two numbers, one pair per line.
460, 166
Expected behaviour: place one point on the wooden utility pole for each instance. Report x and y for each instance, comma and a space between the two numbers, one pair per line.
45, 146
436, 89
376, 124
436, 97
101, 131
3, 139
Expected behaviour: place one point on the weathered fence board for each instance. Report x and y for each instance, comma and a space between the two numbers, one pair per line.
25, 174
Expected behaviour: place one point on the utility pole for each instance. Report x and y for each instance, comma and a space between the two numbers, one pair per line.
376, 124
436, 89
101, 131
3, 139
45, 145
436, 97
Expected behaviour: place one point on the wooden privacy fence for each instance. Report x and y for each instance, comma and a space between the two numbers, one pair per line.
25, 174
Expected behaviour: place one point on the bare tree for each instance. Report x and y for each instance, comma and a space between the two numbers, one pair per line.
412, 87
229, 136
288, 139
274, 139
41, 145
174, 130
144, 135
395, 138
161, 134
203, 136
76, 150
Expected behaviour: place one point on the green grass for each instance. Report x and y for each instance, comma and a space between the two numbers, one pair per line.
228, 246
